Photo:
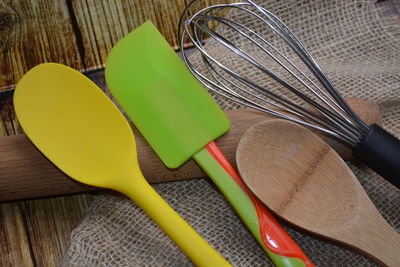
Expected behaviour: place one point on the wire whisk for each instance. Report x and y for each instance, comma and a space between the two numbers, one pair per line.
281, 76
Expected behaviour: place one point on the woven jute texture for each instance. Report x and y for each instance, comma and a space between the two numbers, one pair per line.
357, 44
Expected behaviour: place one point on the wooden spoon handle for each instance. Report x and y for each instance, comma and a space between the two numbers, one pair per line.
374, 236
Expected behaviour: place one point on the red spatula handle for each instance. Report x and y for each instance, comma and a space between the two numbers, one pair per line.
275, 241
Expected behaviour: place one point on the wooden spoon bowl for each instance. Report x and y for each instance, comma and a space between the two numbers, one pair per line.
304, 181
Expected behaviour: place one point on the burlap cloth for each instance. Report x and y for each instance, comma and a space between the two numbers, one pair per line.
357, 44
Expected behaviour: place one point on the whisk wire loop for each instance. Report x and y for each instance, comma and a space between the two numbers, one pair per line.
330, 113
333, 117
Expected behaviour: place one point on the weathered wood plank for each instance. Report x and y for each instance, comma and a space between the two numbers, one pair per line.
49, 225
77, 33
36, 232
15, 248
102, 23
32, 32
8, 120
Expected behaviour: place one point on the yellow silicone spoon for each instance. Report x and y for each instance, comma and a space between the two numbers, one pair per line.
76, 126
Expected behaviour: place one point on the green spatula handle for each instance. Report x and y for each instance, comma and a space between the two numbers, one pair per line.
278, 245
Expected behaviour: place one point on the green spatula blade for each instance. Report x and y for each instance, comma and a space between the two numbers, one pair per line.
166, 103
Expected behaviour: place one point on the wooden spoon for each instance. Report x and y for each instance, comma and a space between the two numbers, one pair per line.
303, 180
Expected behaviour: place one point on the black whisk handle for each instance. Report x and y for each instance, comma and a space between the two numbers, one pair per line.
380, 151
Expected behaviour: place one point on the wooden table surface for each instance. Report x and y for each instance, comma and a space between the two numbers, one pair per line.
77, 33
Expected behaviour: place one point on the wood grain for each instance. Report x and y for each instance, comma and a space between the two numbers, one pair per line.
35, 232
49, 223
26, 173
303, 180
15, 248
102, 23
33, 32
8, 121
77, 33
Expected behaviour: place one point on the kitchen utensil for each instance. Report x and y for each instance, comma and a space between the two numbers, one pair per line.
78, 128
20, 160
180, 120
303, 180
275, 52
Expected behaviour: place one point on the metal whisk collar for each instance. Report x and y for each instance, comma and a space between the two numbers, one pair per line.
323, 108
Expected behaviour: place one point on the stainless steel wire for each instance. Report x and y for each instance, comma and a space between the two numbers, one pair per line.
285, 60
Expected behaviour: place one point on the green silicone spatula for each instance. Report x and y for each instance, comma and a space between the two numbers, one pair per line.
180, 120
76, 126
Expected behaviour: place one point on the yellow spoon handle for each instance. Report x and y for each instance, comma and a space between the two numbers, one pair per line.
193, 245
